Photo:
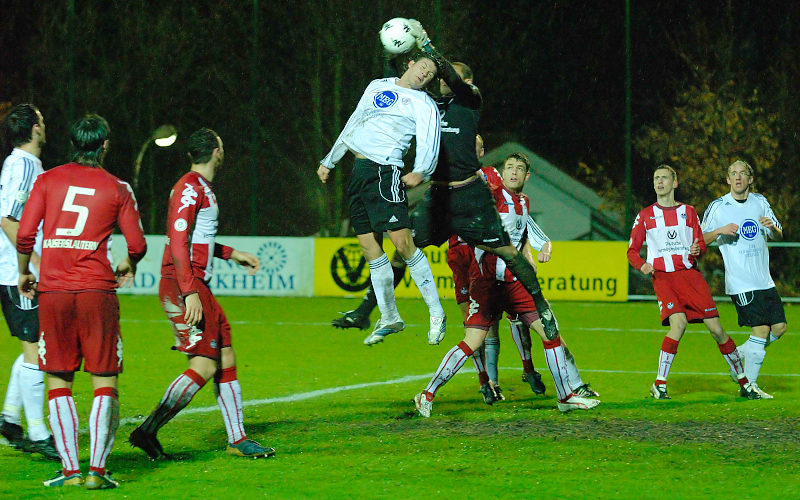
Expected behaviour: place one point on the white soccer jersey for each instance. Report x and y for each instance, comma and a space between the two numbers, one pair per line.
386, 118
746, 256
20, 169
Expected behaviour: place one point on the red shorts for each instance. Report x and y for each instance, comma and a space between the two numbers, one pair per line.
490, 297
684, 291
210, 335
79, 326
459, 258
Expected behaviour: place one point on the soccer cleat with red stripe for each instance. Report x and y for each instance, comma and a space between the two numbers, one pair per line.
575, 402
422, 405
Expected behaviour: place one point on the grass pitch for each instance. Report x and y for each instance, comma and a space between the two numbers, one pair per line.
340, 414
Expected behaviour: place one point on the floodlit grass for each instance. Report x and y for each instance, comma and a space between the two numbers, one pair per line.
366, 442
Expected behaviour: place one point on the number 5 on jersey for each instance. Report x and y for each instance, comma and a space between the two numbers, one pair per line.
70, 206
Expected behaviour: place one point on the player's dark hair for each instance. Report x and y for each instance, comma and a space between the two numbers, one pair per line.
18, 125
664, 166
88, 135
463, 70
521, 157
202, 144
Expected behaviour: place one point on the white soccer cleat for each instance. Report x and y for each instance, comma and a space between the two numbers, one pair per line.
764, 395
575, 402
422, 404
438, 329
382, 329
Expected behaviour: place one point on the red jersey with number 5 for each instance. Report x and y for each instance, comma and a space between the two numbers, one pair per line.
80, 206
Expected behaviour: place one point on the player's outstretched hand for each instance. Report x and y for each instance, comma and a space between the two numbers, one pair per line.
247, 260
27, 285
125, 273
418, 32
412, 179
323, 173
194, 309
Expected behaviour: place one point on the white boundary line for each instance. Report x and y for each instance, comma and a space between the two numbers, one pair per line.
301, 396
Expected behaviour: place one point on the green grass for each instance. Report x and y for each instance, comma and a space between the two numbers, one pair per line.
367, 443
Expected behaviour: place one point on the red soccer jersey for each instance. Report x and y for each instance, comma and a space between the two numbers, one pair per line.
514, 212
191, 231
669, 232
80, 206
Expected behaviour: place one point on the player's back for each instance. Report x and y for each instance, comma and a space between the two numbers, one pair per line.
81, 205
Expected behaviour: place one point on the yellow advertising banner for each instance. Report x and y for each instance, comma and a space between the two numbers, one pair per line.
578, 270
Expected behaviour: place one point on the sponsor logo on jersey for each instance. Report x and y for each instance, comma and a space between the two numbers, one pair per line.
272, 256
349, 268
385, 99
187, 197
749, 229
180, 225
670, 305
672, 234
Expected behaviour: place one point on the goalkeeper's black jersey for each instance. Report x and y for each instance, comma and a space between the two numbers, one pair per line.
457, 157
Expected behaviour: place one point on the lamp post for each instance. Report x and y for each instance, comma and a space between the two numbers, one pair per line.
164, 136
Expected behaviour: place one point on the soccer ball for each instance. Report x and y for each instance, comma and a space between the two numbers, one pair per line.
396, 36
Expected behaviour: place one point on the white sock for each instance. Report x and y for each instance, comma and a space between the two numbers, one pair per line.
382, 277
103, 424
31, 382
12, 406
229, 399
575, 379
754, 354
422, 275
554, 355
451, 363
64, 422
772, 338
492, 355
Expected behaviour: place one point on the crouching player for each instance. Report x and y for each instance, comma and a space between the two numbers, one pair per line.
494, 289
202, 331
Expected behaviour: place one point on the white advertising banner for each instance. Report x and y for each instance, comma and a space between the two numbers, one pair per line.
285, 268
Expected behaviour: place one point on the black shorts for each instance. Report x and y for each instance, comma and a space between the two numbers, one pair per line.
759, 308
22, 314
467, 210
377, 198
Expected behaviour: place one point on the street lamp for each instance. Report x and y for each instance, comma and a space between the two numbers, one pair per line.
164, 136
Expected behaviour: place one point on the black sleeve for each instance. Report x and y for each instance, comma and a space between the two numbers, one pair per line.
467, 94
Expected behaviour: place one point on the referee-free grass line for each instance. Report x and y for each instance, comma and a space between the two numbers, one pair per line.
402, 380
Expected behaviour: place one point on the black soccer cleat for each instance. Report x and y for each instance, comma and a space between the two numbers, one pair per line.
351, 319
535, 380
13, 433
45, 447
148, 443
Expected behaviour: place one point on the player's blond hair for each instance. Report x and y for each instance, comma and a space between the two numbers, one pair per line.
741, 163
667, 167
